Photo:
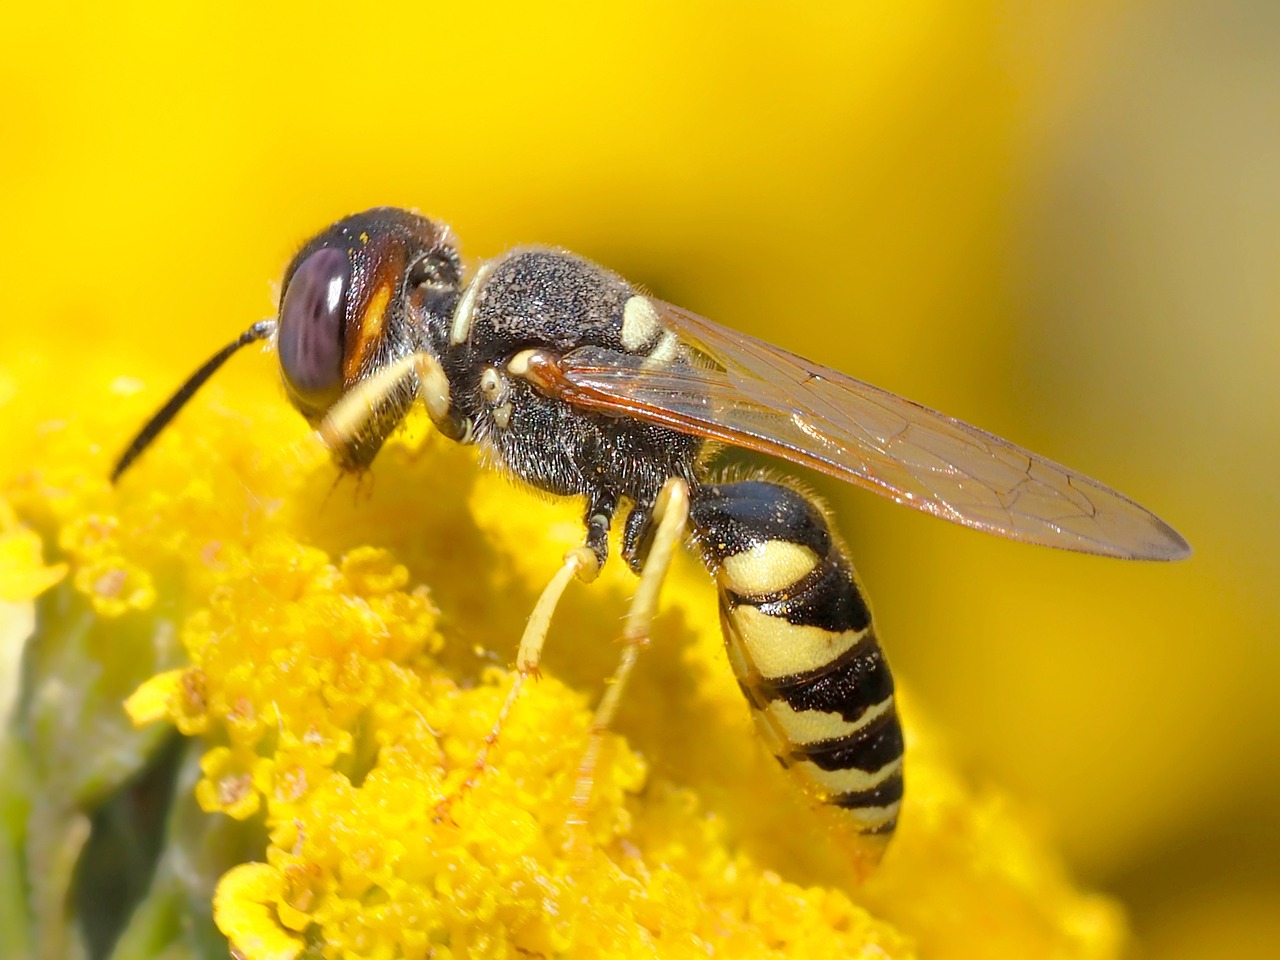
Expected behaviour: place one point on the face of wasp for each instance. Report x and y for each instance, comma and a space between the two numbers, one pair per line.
345, 311
365, 292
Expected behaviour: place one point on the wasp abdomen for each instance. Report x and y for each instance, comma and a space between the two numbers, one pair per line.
802, 643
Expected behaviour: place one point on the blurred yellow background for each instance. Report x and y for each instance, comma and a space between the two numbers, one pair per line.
1058, 221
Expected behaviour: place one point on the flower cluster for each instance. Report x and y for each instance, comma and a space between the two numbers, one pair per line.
336, 657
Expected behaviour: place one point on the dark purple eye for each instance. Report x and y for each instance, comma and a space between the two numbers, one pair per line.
311, 321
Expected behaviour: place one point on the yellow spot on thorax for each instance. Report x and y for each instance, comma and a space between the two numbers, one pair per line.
640, 323
460, 330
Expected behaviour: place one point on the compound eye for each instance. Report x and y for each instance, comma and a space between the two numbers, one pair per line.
311, 329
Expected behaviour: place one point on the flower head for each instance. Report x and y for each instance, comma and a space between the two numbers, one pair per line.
337, 655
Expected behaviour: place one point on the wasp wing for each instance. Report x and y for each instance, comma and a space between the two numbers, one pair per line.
733, 388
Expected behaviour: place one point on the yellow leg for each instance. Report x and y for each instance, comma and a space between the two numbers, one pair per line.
580, 562
672, 513
348, 416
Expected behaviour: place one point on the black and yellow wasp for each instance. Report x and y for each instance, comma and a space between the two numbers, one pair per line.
569, 379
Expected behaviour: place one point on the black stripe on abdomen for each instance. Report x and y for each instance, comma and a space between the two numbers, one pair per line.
801, 640
869, 748
848, 686
828, 597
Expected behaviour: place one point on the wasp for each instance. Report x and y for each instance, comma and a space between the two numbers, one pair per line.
570, 379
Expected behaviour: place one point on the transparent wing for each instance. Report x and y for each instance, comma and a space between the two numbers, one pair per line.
730, 387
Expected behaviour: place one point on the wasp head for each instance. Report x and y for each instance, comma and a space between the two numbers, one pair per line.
348, 295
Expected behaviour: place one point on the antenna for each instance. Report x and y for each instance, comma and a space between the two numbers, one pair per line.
259, 331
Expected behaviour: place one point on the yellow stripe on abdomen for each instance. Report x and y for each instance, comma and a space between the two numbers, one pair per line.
776, 648
802, 644
802, 727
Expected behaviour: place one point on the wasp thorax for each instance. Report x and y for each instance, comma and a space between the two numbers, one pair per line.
312, 315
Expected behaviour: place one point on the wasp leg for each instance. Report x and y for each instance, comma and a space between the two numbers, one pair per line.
580, 562
355, 409
353, 428
599, 515
671, 512
637, 536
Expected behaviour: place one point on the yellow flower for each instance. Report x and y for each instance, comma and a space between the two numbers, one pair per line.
23, 574
342, 662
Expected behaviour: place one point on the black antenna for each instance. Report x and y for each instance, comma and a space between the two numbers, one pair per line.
259, 331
